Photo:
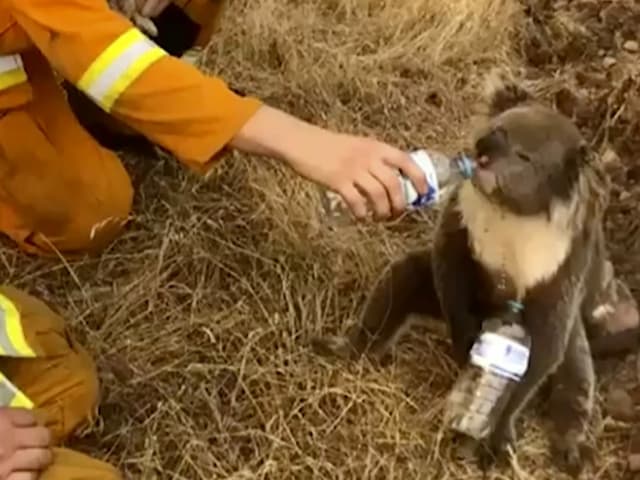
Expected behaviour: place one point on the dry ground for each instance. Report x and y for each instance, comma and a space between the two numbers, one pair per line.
199, 315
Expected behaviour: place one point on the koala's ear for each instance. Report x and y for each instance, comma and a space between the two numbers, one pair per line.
584, 155
506, 97
503, 94
576, 158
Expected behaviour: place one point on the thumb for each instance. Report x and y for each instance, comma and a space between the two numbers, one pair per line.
153, 8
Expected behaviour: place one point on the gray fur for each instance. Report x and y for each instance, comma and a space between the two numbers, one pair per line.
456, 282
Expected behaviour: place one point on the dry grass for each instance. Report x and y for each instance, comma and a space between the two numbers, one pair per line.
199, 315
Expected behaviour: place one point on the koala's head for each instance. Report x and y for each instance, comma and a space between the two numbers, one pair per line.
529, 155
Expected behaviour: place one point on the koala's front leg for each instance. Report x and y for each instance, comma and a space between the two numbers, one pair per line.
454, 272
571, 403
403, 289
549, 315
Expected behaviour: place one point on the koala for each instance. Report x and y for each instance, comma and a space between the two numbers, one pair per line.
526, 227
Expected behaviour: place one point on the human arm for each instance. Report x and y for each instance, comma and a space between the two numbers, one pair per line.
353, 163
360, 169
195, 116
454, 273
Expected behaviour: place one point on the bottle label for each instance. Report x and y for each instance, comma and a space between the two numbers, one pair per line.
424, 162
500, 355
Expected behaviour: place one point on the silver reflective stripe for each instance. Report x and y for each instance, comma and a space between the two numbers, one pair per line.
100, 88
7, 393
10, 62
11, 396
12, 72
6, 348
118, 66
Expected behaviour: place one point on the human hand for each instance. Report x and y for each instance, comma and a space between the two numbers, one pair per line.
363, 171
152, 8
24, 445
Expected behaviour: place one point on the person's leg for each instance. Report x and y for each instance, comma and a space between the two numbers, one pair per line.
71, 465
61, 382
59, 189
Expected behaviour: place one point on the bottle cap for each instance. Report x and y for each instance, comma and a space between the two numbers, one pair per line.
515, 306
466, 165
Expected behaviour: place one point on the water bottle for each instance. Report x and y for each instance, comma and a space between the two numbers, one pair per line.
498, 360
440, 170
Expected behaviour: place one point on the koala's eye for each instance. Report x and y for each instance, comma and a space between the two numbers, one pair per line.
523, 156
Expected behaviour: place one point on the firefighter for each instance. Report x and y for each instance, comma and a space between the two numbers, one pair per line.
61, 191
48, 390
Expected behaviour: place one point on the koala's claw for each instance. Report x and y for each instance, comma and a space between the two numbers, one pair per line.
571, 456
346, 349
333, 346
496, 451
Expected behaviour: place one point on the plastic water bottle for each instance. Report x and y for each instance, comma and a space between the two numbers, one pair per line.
498, 360
441, 172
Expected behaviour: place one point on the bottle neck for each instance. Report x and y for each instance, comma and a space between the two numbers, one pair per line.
515, 306
514, 311
465, 165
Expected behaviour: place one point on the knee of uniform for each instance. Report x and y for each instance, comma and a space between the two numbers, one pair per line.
81, 400
106, 225
73, 465
101, 219
90, 213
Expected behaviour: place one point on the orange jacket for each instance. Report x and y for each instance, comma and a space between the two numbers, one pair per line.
167, 100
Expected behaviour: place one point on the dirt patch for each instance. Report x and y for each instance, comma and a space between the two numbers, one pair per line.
584, 57
199, 316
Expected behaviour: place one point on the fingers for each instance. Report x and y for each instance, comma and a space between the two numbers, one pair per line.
390, 181
376, 193
20, 417
377, 188
32, 437
23, 476
153, 8
402, 161
31, 459
354, 200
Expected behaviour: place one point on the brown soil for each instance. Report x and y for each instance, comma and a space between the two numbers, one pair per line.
199, 316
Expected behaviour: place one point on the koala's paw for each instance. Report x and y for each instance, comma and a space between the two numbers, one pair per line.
571, 453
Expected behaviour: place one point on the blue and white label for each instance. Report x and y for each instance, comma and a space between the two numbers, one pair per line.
424, 162
500, 355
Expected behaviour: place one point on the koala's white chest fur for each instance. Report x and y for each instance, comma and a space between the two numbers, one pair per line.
528, 249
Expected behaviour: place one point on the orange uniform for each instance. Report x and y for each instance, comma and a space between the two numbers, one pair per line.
60, 190
44, 369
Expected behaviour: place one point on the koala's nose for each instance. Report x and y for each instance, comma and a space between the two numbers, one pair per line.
483, 161
492, 145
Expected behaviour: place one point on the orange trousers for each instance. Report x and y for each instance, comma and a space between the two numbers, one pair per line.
63, 385
62, 192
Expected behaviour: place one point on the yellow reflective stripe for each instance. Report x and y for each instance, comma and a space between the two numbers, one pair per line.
11, 71
13, 342
11, 396
118, 66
